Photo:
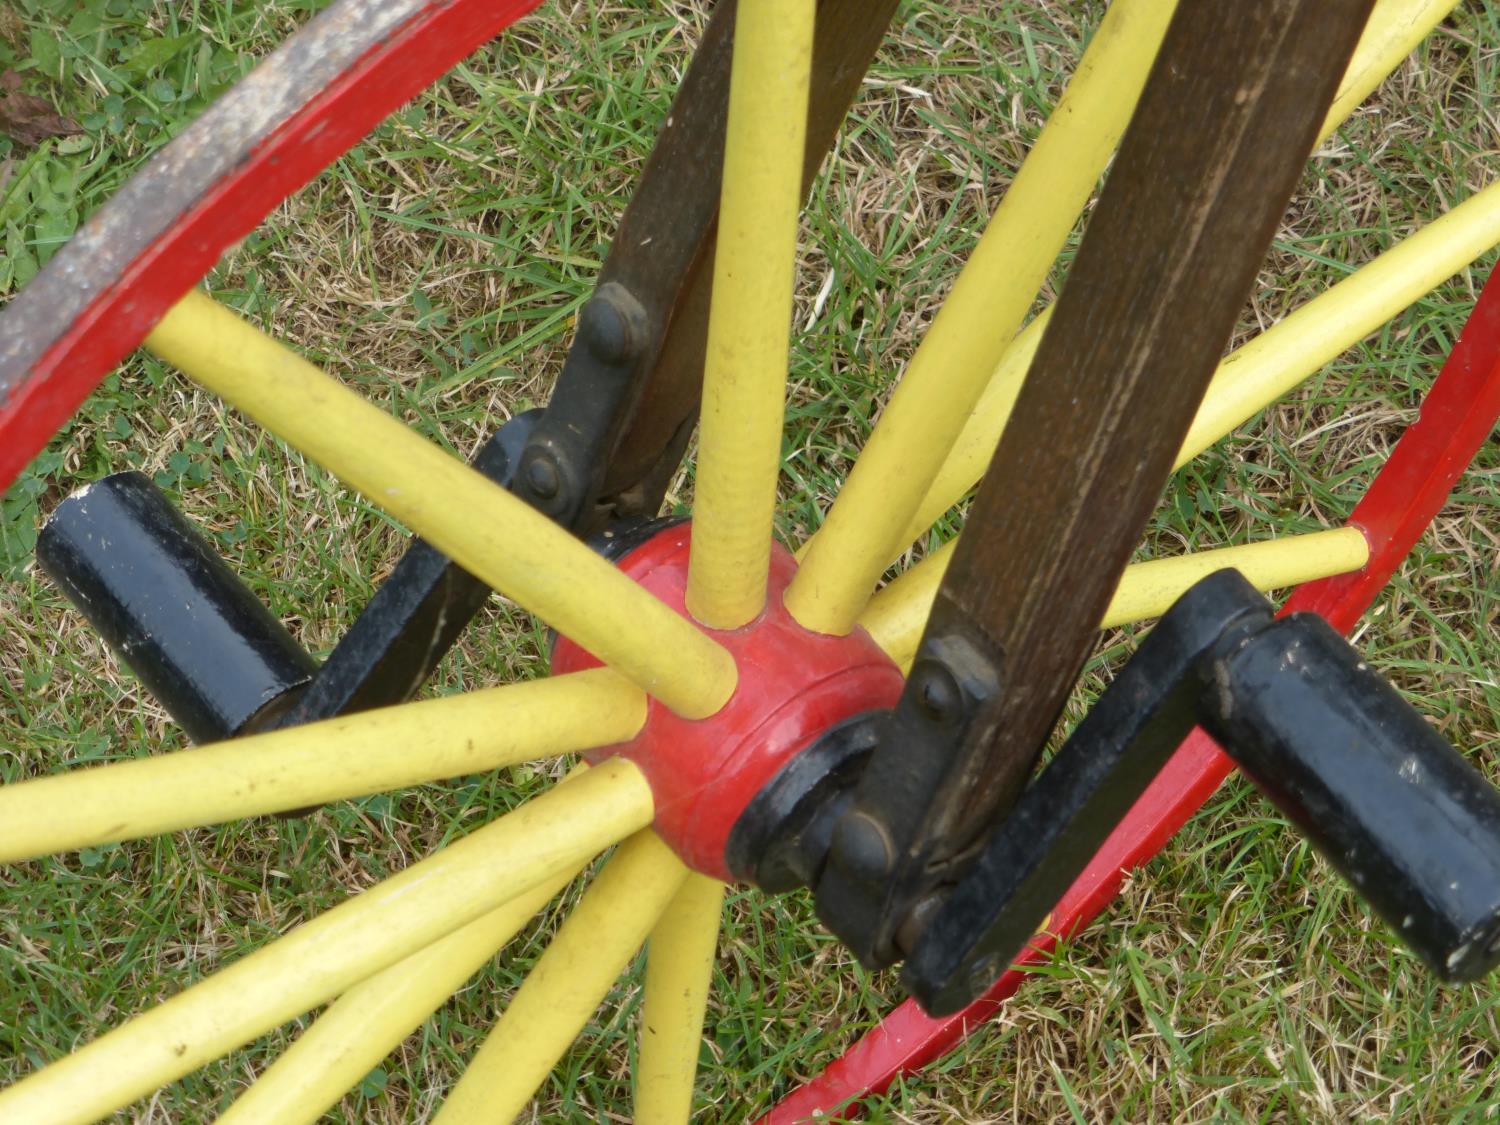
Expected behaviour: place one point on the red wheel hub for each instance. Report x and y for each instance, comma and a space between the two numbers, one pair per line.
793, 686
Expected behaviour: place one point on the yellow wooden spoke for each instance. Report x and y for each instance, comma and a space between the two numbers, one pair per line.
977, 321
1394, 29
898, 613
744, 376
474, 521
975, 445
1261, 371
369, 1021
370, 752
569, 981
1269, 366
1278, 359
679, 966
550, 835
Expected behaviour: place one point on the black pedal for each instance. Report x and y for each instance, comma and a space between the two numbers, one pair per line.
164, 601
1403, 816
1396, 809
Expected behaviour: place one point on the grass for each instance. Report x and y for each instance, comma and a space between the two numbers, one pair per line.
438, 267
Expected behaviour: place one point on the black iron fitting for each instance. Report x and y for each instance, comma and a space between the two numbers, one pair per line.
1412, 826
880, 864
562, 466
782, 839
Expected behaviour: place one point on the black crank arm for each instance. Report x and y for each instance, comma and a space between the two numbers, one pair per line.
1399, 812
413, 619
1206, 167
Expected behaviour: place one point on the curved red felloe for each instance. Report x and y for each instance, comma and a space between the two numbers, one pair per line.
793, 686
304, 106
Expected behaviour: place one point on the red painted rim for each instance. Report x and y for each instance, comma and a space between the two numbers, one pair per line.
1456, 417
39, 392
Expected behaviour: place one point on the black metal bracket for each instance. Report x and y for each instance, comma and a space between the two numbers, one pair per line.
877, 869
561, 468
1398, 811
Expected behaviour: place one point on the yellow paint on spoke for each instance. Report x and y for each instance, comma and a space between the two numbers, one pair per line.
977, 322
474, 521
370, 1020
1263, 370
975, 446
568, 983
351, 756
679, 967
1270, 365
548, 836
1147, 589
744, 378
1394, 29
898, 613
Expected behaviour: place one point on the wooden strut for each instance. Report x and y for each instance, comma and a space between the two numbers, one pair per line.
1226, 124
1205, 171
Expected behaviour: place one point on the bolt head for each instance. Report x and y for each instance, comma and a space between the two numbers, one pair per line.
606, 330
939, 695
862, 846
542, 478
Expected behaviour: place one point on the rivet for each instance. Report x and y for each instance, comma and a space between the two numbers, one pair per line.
862, 846
938, 694
541, 476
